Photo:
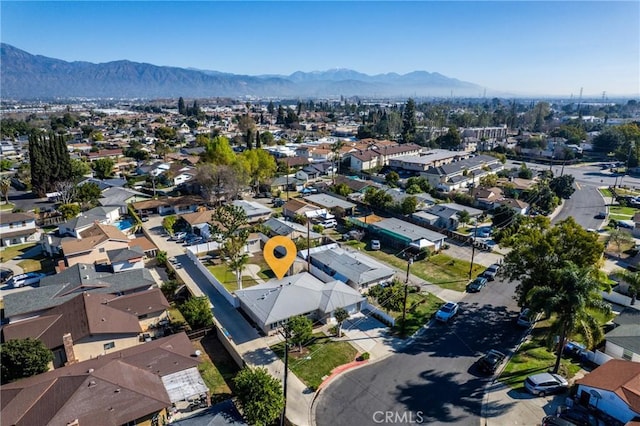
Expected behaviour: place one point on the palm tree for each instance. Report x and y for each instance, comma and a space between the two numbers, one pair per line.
335, 149
571, 294
5, 185
633, 279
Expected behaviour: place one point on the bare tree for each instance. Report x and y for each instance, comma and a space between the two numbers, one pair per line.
66, 190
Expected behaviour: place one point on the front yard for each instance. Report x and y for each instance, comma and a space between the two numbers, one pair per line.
317, 359
12, 252
228, 278
439, 269
420, 308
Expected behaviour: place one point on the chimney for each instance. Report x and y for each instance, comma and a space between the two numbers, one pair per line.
67, 341
61, 266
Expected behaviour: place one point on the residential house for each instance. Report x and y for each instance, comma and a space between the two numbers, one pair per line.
113, 154
121, 198
137, 385
281, 183
199, 221
518, 206
330, 202
398, 233
66, 284
379, 155
352, 268
93, 244
623, 342
486, 198
355, 185
447, 214
297, 207
93, 324
270, 305
255, 212
104, 215
170, 205
463, 173
292, 230
17, 228
613, 388
148, 247
124, 259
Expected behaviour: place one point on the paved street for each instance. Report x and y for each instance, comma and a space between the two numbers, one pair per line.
432, 377
583, 206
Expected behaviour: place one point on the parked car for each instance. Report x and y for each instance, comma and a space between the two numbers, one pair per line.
491, 272
5, 275
375, 244
179, 236
490, 361
330, 223
545, 383
278, 202
526, 318
447, 311
483, 233
477, 285
29, 278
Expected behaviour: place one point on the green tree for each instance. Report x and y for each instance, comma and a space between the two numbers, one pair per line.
197, 312
539, 248
161, 258
229, 227
181, 107
69, 211
392, 178
633, 279
266, 138
218, 151
336, 147
618, 238
572, 294
103, 167
5, 164
166, 134
299, 330
392, 297
87, 193
525, 172
168, 223
260, 166
79, 169
377, 198
409, 205
5, 186
21, 358
341, 189
563, 186
341, 315
464, 217
260, 395
451, 140
489, 181
169, 289
49, 161
409, 122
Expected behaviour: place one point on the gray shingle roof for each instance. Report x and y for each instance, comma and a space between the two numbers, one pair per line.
356, 267
57, 289
278, 300
408, 230
125, 254
116, 196
327, 201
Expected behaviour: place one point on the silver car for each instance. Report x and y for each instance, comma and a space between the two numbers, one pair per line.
545, 383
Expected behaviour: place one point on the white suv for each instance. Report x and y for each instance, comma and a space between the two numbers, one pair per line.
330, 223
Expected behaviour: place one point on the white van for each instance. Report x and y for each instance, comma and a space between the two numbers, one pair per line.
330, 223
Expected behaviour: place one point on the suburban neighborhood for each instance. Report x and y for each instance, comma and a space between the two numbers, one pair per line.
478, 269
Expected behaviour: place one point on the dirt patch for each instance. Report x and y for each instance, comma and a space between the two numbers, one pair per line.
222, 361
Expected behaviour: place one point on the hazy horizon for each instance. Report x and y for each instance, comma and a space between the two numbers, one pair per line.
524, 48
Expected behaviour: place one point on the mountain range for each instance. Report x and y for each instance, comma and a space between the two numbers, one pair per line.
24, 76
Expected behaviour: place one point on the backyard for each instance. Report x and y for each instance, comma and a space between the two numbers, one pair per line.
218, 368
317, 359
439, 269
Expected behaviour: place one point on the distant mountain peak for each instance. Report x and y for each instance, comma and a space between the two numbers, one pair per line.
27, 76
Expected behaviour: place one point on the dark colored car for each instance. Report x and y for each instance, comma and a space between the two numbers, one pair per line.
557, 421
490, 361
5, 275
477, 285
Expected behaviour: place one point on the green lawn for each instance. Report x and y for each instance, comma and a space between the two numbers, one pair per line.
317, 359
228, 278
6, 207
622, 213
534, 356
12, 252
420, 308
606, 192
39, 264
439, 269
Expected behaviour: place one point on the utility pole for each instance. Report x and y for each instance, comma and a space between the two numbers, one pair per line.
406, 291
286, 370
473, 248
308, 244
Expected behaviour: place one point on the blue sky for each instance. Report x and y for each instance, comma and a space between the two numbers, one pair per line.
543, 48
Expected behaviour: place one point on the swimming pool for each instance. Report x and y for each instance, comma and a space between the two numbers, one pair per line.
123, 224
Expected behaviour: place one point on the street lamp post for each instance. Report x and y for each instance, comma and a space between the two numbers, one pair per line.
285, 334
406, 291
